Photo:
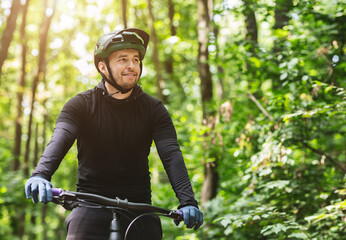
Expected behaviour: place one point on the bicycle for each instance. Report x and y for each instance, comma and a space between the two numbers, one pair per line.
70, 200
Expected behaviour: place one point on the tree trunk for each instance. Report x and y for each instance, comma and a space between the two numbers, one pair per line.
282, 9
203, 54
37, 147
32, 234
18, 220
7, 34
39, 77
251, 36
209, 189
43, 223
169, 59
18, 134
159, 80
281, 15
250, 22
220, 71
44, 143
124, 6
171, 16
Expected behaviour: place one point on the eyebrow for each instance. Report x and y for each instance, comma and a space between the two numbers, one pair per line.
125, 55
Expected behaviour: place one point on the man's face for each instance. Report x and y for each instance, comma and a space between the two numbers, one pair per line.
125, 67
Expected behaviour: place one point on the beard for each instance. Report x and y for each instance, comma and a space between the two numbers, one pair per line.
127, 85
123, 81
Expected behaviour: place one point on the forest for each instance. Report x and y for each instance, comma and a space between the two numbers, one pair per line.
255, 88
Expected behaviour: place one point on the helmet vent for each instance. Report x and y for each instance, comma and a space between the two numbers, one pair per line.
117, 39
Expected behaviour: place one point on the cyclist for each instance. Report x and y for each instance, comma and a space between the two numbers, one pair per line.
115, 124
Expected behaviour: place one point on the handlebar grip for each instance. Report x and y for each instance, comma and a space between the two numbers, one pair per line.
56, 191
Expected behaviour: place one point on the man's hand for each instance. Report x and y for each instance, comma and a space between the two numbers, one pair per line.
193, 218
37, 185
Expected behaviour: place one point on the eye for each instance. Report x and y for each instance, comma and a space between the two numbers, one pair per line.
136, 60
122, 59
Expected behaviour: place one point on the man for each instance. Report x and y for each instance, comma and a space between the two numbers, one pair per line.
115, 124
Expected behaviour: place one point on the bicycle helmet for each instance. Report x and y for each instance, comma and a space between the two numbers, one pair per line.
130, 38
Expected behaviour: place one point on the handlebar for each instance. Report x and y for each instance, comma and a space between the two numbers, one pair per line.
68, 198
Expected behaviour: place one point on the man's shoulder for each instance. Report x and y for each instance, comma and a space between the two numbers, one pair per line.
81, 100
150, 98
88, 94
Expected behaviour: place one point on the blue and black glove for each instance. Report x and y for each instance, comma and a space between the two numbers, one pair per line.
37, 185
193, 217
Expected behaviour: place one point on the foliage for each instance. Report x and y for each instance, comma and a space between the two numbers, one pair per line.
293, 187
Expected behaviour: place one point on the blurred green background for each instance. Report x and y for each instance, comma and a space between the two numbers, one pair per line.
256, 90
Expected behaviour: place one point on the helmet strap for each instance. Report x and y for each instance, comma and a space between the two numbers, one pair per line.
111, 80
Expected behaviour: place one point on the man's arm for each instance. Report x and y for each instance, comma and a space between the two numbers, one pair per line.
173, 162
168, 149
62, 139
64, 135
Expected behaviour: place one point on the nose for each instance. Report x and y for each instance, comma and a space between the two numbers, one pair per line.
130, 65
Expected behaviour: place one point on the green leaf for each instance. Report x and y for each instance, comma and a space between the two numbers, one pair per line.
256, 217
225, 222
298, 235
278, 228
283, 76
256, 61
280, 184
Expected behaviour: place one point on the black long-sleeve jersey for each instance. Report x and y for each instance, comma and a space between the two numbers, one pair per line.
114, 138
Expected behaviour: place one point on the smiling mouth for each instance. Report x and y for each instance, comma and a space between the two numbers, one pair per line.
130, 74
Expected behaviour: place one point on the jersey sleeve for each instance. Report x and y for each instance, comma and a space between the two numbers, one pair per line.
74, 111
165, 138
64, 135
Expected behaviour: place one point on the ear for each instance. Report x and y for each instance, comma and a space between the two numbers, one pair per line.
102, 67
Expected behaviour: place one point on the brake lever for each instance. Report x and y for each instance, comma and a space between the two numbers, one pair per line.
65, 195
66, 199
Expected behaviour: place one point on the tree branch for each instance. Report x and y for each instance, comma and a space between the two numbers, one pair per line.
252, 97
334, 161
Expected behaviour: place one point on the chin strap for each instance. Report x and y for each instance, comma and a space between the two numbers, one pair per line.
111, 94
107, 80
112, 82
